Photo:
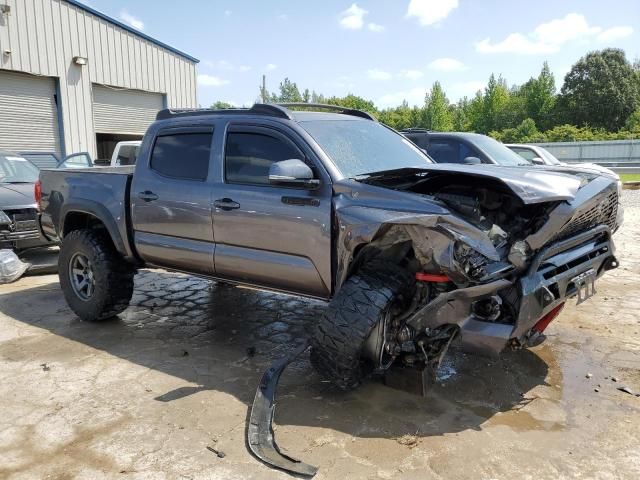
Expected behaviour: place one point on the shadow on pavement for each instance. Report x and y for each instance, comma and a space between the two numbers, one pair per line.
222, 338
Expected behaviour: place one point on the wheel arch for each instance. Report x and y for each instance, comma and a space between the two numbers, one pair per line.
89, 214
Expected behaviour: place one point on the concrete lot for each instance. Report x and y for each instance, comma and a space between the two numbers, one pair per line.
143, 396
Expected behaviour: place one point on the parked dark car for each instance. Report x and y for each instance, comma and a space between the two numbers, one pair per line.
474, 148
18, 210
333, 205
464, 147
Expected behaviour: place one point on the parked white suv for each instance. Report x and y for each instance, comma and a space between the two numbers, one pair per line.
125, 153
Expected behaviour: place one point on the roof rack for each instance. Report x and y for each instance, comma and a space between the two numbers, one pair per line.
259, 109
415, 130
330, 108
280, 110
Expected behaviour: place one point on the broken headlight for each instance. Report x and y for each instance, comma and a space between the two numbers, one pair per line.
476, 267
4, 218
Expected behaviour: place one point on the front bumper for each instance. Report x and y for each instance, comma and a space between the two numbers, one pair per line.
20, 240
547, 283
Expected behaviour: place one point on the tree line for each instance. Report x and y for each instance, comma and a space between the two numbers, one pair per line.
599, 100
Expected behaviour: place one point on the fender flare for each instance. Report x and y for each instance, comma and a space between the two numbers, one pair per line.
100, 212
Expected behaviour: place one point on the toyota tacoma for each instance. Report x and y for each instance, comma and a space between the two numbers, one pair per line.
326, 202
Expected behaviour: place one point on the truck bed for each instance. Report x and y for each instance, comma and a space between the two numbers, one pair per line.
99, 191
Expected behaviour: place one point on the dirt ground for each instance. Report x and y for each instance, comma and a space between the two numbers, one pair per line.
143, 396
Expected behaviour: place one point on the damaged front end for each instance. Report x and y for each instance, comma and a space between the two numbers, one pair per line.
492, 266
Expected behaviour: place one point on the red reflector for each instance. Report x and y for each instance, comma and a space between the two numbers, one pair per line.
38, 193
546, 320
431, 277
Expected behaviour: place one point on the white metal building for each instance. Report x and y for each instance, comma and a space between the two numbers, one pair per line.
75, 80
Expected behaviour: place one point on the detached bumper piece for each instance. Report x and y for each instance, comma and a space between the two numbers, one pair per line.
260, 431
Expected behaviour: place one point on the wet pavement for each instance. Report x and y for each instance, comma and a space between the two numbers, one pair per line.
143, 396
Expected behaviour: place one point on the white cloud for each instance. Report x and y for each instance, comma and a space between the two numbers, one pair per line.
226, 66
375, 74
429, 12
411, 74
270, 67
227, 13
551, 36
464, 89
211, 81
614, 33
353, 17
374, 27
447, 65
414, 96
283, 17
129, 19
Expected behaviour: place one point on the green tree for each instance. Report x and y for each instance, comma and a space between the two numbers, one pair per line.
600, 90
219, 105
539, 96
494, 105
633, 122
437, 114
288, 92
353, 101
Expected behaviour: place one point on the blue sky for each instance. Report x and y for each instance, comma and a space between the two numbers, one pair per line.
386, 51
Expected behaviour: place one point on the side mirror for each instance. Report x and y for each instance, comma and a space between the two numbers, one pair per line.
292, 173
537, 161
472, 161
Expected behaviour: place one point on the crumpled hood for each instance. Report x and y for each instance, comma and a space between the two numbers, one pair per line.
17, 195
531, 185
590, 168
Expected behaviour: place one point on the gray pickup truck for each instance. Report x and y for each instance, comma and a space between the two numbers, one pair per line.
328, 203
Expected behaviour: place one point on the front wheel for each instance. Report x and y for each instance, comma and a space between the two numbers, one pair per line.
96, 281
364, 301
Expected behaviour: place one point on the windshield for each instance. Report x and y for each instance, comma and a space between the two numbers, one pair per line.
14, 169
362, 147
498, 152
549, 157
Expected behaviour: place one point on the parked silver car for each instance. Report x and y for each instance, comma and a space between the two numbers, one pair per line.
18, 209
537, 155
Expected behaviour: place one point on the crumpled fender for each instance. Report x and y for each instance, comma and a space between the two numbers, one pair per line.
432, 234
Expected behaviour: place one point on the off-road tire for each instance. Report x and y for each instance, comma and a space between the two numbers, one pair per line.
113, 276
338, 337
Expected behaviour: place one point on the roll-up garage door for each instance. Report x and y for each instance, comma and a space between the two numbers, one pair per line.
120, 111
28, 113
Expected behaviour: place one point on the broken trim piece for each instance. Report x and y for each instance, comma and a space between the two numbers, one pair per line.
260, 436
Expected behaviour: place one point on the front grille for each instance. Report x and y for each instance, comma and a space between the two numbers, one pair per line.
23, 226
602, 213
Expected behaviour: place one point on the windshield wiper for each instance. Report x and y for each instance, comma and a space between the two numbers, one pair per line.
389, 173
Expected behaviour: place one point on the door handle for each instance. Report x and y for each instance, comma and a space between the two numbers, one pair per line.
147, 196
226, 204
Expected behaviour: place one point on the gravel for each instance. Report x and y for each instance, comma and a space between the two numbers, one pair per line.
631, 198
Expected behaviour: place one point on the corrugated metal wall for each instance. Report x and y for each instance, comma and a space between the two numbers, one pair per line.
43, 36
28, 113
608, 153
124, 111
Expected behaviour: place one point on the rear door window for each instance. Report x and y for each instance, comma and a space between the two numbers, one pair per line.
183, 154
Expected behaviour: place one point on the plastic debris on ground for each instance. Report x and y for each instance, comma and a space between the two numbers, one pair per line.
11, 267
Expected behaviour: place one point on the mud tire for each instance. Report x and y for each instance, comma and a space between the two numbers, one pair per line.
113, 276
337, 339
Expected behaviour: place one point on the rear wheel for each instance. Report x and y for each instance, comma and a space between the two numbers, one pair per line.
96, 281
339, 337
